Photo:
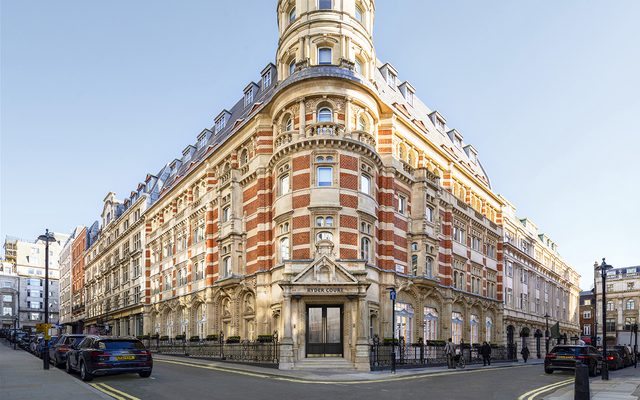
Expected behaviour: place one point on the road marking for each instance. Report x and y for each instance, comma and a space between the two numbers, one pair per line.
530, 395
307, 381
113, 392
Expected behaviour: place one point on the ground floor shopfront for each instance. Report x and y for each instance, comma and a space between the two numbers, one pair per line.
327, 310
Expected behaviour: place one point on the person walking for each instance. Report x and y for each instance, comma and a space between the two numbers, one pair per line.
485, 352
450, 352
525, 353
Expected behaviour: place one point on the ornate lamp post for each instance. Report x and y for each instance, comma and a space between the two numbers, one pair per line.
604, 267
47, 237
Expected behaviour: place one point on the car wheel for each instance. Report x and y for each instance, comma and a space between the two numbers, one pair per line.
84, 374
68, 367
548, 370
144, 374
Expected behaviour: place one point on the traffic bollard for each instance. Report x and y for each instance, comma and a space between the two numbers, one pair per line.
581, 389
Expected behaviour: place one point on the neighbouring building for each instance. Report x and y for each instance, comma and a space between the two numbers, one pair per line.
30, 267
537, 283
328, 183
588, 317
9, 293
622, 304
66, 262
116, 281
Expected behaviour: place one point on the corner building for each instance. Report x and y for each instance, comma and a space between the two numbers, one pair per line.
327, 184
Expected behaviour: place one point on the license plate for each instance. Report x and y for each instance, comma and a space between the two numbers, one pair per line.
125, 357
566, 357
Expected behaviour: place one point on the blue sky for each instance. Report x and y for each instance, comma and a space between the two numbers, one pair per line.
97, 94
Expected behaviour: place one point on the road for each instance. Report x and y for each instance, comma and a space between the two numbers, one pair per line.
188, 381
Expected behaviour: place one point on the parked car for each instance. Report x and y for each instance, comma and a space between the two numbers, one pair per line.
40, 347
106, 355
58, 352
34, 343
614, 360
25, 341
565, 357
626, 354
17, 336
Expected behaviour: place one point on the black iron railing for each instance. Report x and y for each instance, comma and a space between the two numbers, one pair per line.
261, 352
420, 355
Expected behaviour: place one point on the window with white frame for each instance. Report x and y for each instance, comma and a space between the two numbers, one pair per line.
476, 242
586, 330
429, 267
430, 323
586, 314
199, 266
226, 266
288, 124
325, 114
362, 123
365, 183
284, 186
266, 79
323, 221
226, 213
456, 327
429, 213
459, 233
402, 204
285, 249
365, 248
325, 56
324, 171
359, 14
357, 66
221, 122
248, 97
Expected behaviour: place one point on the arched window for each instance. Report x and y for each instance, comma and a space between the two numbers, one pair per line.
475, 323
430, 324
328, 221
226, 266
325, 115
284, 249
292, 15
325, 56
324, 236
365, 249
489, 324
429, 267
288, 125
456, 327
404, 321
244, 157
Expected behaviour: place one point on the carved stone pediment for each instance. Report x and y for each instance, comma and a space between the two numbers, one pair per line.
324, 271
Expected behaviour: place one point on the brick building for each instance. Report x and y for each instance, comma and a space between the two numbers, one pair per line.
587, 317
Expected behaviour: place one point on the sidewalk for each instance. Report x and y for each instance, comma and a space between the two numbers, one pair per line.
622, 385
334, 376
23, 378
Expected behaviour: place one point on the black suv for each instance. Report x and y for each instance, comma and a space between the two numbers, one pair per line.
107, 355
566, 357
626, 354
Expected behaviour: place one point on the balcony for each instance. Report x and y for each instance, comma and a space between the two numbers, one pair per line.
324, 129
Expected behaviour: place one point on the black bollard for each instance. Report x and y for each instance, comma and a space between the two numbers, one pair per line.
581, 389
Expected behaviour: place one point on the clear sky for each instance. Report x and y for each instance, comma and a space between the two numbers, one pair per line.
97, 94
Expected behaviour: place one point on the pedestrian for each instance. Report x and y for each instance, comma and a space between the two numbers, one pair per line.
450, 352
485, 352
525, 353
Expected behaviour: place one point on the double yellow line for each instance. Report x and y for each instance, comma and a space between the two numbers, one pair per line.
530, 395
113, 392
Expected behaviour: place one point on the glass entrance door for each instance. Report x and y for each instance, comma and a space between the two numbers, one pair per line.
324, 331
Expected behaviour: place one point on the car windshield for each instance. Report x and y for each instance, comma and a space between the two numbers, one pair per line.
120, 345
568, 350
71, 340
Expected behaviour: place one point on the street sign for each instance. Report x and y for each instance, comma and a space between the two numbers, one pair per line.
392, 294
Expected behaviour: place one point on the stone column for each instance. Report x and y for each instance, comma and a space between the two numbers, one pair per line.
286, 344
347, 118
361, 361
303, 118
445, 319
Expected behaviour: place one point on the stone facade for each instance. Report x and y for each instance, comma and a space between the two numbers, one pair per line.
622, 303
537, 282
9, 293
326, 185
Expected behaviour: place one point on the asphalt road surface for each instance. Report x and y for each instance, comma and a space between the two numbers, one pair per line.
183, 381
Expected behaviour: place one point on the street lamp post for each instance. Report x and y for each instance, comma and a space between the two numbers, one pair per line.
603, 274
47, 237
546, 333
594, 340
392, 296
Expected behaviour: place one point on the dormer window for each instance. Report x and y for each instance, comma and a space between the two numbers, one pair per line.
221, 121
325, 4
324, 56
266, 79
248, 97
408, 92
458, 142
202, 139
391, 79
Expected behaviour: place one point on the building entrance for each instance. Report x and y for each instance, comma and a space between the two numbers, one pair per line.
324, 331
